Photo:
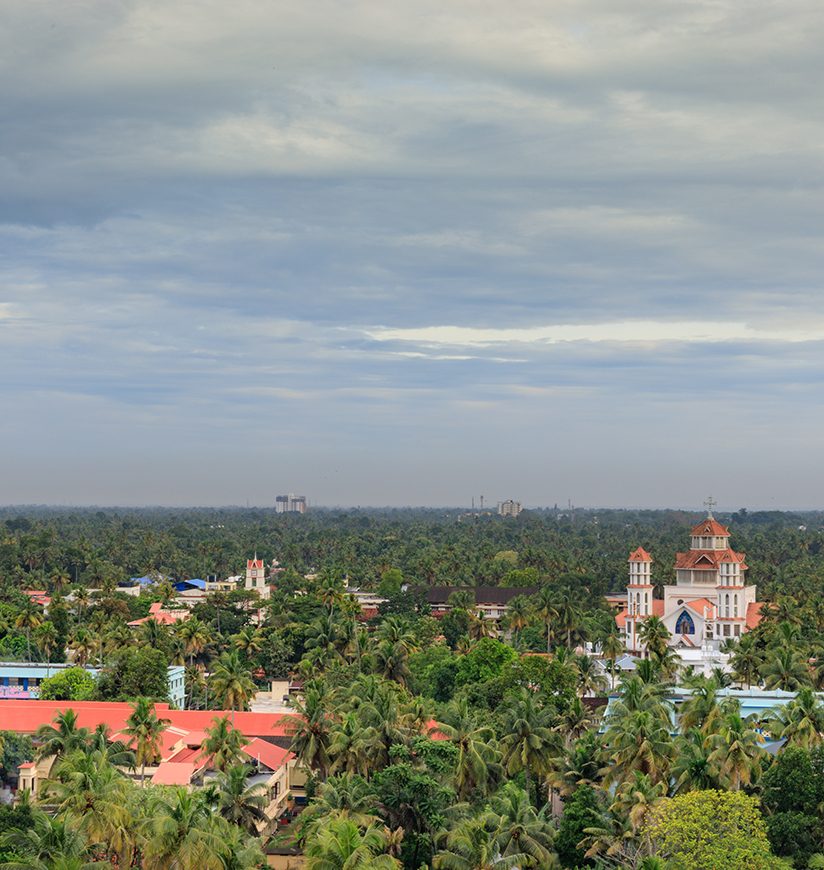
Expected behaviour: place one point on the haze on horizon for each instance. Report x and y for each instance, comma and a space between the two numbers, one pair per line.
403, 253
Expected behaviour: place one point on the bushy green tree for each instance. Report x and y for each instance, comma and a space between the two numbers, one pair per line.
71, 684
712, 830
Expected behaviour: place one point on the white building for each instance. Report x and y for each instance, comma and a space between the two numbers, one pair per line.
256, 577
509, 508
709, 603
290, 504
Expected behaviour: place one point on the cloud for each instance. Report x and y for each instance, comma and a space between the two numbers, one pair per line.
383, 238
648, 332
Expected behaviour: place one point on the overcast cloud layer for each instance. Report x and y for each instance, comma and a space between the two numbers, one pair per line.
394, 253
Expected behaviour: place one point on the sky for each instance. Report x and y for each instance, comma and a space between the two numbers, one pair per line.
410, 252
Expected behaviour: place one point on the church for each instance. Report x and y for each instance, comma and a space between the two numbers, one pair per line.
710, 601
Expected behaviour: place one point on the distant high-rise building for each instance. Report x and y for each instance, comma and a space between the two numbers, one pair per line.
509, 508
290, 504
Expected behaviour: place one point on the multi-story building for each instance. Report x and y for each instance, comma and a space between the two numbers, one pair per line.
256, 577
21, 680
710, 601
509, 508
266, 740
290, 504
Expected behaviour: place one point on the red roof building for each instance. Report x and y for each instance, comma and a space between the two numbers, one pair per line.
710, 601
182, 761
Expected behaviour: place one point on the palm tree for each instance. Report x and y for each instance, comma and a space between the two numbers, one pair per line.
568, 618
352, 746
547, 612
528, 739
480, 627
346, 796
223, 743
48, 843
800, 721
239, 851
635, 800
341, 845
180, 833
83, 647
116, 752
231, 682
612, 648
29, 618
47, 641
576, 766
311, 729
248, 642
196, 637
145, 730
785, 669
736, 751
701, 709
60, 579
639, 741
81, 599
692, 769
239, 803
654, 635
63, 739
574, 720
471, 845
590, 679
519, 829
87, 787
154, 634
519, 614
477, 760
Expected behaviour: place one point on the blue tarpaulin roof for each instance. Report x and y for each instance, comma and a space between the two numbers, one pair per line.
196, 582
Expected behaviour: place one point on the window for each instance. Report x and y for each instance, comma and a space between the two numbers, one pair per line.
685, 624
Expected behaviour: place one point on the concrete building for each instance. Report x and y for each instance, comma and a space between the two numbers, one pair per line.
290, 504
490, 601
509, 508
709, 603
21, 681
182, 761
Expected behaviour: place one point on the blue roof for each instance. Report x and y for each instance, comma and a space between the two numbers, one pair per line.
188, 584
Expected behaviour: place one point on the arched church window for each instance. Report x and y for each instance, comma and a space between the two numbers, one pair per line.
685, 625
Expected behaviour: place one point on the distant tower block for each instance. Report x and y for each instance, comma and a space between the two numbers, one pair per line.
256, 577
290, 504
509, 508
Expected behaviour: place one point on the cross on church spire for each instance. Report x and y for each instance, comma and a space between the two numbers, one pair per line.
709, 504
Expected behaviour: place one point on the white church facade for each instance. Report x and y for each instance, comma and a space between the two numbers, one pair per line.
709, 603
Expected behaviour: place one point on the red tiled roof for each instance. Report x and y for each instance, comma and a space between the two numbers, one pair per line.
754, 614
698, 606
188, 753
639, 555
254, 563
164, 617
657, 610
710, 526
174, 773
274, 757
25, 717
707, 560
